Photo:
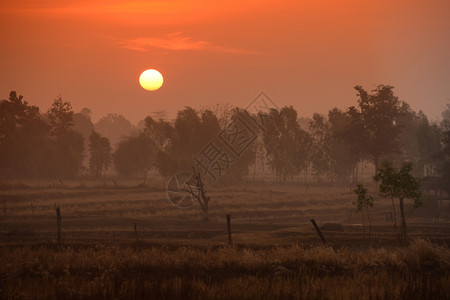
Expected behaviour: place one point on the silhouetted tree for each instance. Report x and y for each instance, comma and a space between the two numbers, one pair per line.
22, 138
378, 116
443, 157
161, 132
115, 127
343, 152
66, 146
239, 166
420, 140
363, 200
400, 184
320, 149
100, 154
135, 156
191, 132
82, 124
60, 117
198, 191
287, 145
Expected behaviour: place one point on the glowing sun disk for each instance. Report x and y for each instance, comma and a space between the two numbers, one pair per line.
151, 80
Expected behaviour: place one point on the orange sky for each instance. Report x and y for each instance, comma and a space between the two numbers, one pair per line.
308, 54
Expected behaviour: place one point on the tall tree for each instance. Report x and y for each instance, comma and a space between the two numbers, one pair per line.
320, 149
364, 200
100, 154
66, 146
420, 140
443, 158
287, 145
240, 165
343, 152
378, 112
135, 156
22, 138
60, 116
160, 131
82, 123
115, 127
192, 131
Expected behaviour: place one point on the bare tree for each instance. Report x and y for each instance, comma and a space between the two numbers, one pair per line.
197, 190
364, 201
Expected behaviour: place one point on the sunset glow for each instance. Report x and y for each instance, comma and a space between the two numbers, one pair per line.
308, 54
251, 149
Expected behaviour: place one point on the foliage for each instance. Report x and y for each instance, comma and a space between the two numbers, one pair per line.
419, 141
115, 127
443, 157
286, 144
377, 116
22, 135
161, 132
82, 123
60, 117
401, 184
363, 199
66, 146
239, 167
179, 143
135, 156
100, 154
35, 145
64, 155
343, 154
320, 149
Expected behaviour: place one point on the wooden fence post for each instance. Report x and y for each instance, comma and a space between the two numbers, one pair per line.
229, 229
58, 223
318, 231
136, 233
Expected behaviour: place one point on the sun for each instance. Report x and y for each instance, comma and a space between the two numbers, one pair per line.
151, 80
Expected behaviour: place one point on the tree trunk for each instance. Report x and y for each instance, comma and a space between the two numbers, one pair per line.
395, 214
370, 223
205, 211
402, 212
364, 225
376, 159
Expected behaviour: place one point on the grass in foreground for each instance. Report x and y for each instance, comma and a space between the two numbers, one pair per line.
419, 272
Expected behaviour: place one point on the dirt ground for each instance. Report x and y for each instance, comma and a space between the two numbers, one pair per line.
262, 215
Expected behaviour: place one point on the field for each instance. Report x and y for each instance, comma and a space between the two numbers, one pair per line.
173, 254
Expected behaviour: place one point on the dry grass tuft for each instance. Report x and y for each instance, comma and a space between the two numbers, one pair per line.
419, 272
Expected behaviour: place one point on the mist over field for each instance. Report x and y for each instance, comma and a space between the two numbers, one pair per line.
253, 149
225, 202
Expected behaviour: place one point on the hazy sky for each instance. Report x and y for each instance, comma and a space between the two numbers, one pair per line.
305, 53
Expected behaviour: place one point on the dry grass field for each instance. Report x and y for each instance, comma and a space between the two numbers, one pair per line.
276, 253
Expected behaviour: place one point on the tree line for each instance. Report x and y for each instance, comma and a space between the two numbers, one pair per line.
329, 147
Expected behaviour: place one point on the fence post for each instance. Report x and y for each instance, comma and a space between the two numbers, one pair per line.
318, 231
58, 223
229, 229
135, 231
